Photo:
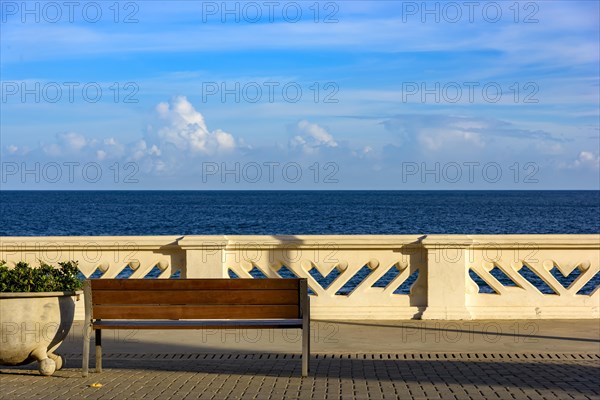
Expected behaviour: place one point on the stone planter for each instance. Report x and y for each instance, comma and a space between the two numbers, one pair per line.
33, 325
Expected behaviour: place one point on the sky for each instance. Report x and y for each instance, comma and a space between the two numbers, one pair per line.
290, 95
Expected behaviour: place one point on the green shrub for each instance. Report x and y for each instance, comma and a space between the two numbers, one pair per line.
45, 278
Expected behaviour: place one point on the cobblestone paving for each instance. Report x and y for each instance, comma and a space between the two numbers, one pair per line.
341, 376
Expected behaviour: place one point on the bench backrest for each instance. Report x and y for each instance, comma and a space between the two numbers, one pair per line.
197, 298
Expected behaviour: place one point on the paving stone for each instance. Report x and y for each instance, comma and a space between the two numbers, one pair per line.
347, 376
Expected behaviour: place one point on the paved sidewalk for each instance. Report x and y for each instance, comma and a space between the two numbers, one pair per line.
351, 376
424, 360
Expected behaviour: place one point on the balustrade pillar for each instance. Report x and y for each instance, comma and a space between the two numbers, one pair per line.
446, 277
204, 256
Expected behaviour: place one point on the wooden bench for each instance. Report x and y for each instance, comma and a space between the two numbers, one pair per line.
194, 304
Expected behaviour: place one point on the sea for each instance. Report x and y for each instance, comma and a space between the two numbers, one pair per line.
115, 213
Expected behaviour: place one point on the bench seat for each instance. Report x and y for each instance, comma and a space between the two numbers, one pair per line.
194, 304
199, 324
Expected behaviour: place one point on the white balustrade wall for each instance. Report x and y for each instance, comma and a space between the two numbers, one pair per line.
361, 276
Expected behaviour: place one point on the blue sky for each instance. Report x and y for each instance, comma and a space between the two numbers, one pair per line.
300, 95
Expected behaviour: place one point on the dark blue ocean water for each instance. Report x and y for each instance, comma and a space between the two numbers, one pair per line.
58, 213
43, 213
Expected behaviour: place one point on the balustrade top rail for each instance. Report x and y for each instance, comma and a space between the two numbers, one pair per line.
361, 276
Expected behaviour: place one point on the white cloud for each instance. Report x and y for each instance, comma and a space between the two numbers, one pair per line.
438, 139
437, 132
186, 129
310, 137
139, 150
224, 140
67, 143
318, 133
365, 152
73, 141
180, 136
154, 151
113, 148
587, 159
53, 150
73, 144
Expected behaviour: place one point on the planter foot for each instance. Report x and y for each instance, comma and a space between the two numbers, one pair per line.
59, 360
47, 366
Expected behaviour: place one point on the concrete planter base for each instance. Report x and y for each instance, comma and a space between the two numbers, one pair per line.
33, 325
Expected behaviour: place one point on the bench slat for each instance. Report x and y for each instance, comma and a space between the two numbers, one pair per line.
203, 324
194, 284
195, 312
250, 297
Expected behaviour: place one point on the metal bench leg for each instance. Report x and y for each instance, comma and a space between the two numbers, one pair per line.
305, 352
306, 338
98, 350
87, 327
87, 336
